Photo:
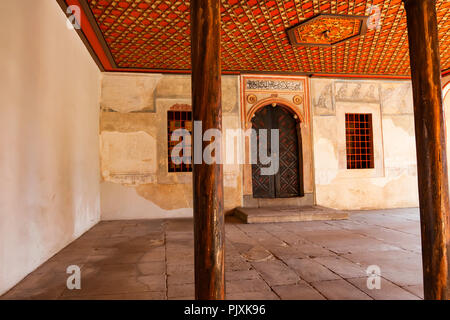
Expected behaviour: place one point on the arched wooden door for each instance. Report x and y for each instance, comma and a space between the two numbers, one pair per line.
287, 182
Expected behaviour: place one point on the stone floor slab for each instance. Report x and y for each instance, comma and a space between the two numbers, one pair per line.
266, 295
340, 290
276, 273
343, 267
249, 285
387, 290
311, 271
298, 292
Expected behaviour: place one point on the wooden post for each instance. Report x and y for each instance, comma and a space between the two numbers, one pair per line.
209, 232
430, 142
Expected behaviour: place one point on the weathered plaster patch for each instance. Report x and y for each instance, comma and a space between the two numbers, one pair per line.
167, 196
354, 194
399, 142
128, 158
129, 122
122, 202
325, 128
126, 93
381, 182
230, 94
232, 198
357, 91
322, 96
396, 98
404, 122
325, 176
230, 179
174, 86
328, 157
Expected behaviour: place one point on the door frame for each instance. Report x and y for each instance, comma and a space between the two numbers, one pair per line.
299, 120
271, 100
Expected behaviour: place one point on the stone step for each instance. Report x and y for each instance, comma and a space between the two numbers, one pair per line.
306, 200
288, 214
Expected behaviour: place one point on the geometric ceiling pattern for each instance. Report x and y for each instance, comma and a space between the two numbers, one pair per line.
327, 30
154, 36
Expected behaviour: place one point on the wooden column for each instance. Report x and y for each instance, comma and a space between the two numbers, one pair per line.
430, 142
209, 230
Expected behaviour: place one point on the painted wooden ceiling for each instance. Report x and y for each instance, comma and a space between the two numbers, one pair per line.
154, 36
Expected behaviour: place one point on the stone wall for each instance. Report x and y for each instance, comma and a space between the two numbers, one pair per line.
134, 153
393, 181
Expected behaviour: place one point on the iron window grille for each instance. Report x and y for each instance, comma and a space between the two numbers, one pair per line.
359, 140
179, 120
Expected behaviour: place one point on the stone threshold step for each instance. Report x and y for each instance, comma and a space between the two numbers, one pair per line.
288, 214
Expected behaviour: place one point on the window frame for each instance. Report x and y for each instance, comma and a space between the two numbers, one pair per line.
359, 141
184, 117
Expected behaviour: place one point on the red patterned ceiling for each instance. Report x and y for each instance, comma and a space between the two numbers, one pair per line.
153, 35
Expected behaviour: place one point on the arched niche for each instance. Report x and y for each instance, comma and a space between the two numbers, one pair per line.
271, 101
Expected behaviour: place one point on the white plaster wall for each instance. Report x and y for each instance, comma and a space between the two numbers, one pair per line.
445, 80
49, 159
121, 202
446, 104
393, 181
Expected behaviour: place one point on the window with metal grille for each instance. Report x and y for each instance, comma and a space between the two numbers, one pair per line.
179, 120
359, 140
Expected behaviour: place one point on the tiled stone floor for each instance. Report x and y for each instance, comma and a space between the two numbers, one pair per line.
294, 260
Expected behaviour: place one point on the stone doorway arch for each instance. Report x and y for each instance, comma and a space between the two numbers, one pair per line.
288, 180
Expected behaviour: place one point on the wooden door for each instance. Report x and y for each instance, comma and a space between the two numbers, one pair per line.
287, 181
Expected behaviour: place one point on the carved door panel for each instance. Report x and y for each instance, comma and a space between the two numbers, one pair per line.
263, 185
286, 182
